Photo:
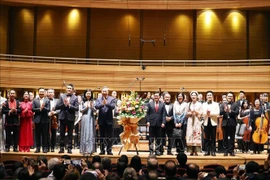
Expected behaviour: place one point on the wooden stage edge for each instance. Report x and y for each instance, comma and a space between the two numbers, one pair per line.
239, 158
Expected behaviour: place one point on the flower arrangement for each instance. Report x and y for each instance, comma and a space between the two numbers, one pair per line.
131, 111
132, 106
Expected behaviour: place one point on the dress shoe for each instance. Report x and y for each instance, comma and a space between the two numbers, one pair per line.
151, 153
15, 149
169, 153
207, 154
158, 153
102, 153
7, 149
69, 151
213, 154
109, 153
196, 154
37, 150
191, 154
45, 150
52, 149
61, 150
225, 154
232, 154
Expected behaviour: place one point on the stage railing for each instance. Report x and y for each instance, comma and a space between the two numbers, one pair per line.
133, 62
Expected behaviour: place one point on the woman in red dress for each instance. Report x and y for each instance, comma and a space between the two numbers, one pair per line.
26, 134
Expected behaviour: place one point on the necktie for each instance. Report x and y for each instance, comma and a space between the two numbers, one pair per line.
156, 107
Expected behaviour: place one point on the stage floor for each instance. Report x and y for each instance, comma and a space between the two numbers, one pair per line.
201, 160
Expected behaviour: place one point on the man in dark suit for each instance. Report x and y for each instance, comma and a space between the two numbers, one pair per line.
169, 121
11, 109
229, 110
241, 98
41, 108
68, 105
53, 119
105, 105
155, 121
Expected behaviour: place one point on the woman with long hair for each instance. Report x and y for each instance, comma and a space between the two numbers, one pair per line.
88, 132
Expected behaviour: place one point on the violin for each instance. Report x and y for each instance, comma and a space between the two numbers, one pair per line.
219, 132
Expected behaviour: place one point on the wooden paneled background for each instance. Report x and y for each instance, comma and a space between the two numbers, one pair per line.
120, 78
117, 33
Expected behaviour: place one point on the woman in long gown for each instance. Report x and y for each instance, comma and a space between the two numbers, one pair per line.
193, 136
26, 133
88, 132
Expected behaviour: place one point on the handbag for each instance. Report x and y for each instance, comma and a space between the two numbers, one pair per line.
177, 133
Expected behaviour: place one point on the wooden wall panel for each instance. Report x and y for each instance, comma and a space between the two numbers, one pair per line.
109, 33
119, 78
61, 32
177, 29
208, 42
259, 34
4, 29
23, 30
233, 35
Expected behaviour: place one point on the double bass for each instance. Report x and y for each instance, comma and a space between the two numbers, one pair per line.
260, 135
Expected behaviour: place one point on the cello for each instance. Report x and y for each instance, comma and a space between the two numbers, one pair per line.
260, 136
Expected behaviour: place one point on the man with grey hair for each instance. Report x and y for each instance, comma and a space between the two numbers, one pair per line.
105, 104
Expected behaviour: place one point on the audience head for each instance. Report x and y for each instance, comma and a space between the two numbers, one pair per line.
96, 158
72, 174
152, 175
23, 174
193, 170
106, 163
52, 162
152, 163
220, 170
121, 166
88, 176
2, 172
130, 174
112, 176
59, 171
136, 163
17, 165
181, 158
123, 158
170, 168
252, 167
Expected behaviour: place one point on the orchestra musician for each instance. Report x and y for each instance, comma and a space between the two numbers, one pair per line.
210, 114
41, 108
53, 119
11, 109
68, 105
229, 111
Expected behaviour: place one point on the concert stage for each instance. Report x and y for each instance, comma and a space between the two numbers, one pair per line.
201, 160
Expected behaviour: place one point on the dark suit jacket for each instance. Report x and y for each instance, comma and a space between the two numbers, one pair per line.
41, 116
67, 112
155, 118
229, 119
11, 119
238, 102
169, 124
105, 115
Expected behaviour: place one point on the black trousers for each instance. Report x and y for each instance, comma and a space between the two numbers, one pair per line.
169, 133
210, 138
52, 141
12, 138
70, 126
42, 132
106, 136
155, 139
228, 131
